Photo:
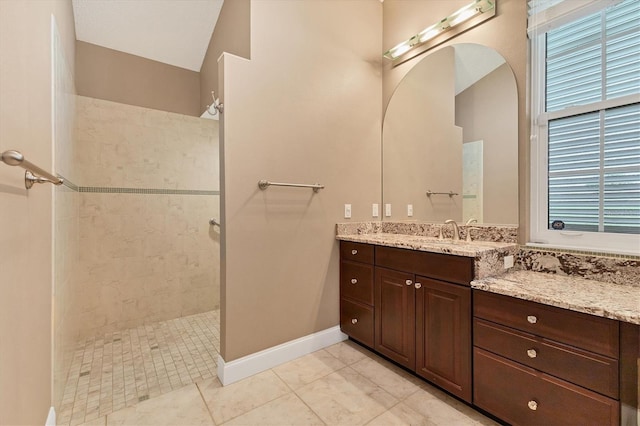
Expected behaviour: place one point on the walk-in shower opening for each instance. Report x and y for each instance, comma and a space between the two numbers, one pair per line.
137, 260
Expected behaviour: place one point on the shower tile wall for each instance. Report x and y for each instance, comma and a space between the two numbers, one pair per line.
144, 257
128, 146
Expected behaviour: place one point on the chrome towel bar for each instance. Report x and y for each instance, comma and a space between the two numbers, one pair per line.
264, 184
450, 193
33, 174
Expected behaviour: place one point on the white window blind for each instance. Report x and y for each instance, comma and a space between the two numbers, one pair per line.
545, 15
586, 121
594, 176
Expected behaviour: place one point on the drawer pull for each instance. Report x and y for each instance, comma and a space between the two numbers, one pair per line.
354, 252
418, 285
533, 405
532, 319
354, 320
531, 353
409, 282
354, 281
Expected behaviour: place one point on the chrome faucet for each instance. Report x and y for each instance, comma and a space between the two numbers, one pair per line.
456, 231
471, 220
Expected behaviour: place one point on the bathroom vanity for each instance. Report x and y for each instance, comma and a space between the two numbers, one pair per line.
412, 307
512, 346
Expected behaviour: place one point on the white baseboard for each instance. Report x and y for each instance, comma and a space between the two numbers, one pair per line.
232, 371
51, 418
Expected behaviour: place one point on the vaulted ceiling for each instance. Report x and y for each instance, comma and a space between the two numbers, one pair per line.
175, 32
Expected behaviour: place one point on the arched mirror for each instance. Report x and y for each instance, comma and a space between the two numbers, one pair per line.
451, 127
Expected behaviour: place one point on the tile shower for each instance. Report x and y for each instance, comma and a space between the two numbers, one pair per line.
137, 263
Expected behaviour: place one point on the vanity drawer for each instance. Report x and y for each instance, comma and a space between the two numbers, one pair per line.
592, 371
356, 320
356, 281
523, 396
445, 267
356, 252
595, 334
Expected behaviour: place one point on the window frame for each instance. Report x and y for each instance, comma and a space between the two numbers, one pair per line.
539, 211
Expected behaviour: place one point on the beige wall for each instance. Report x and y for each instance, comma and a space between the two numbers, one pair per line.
422, 147
505, 33
487, 111
232, 34
121, 77
26, 240
305, 108
144, 257
66, 207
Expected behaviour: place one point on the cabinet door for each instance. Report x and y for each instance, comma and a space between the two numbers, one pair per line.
443, 335
395, 316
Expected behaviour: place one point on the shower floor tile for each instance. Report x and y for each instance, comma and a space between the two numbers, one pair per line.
117, 370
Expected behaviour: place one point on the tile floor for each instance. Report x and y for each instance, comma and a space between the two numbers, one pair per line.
341, 385
121, 369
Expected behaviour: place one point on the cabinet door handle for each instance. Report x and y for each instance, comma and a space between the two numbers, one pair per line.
532, 319
354, 320
354, 252
531, 353
354, 281
418, 285
533, 405
409, 282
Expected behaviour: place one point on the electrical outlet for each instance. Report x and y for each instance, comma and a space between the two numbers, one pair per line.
347, 211
508, 262
410, 210
387, 210
375, 210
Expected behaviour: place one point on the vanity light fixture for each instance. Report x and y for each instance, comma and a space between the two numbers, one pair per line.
461, 20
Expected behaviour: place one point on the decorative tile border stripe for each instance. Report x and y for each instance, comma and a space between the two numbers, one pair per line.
107, 190
579, 252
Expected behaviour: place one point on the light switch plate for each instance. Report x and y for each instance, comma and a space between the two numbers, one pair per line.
410, 210
375, 210
347, 211
387, 210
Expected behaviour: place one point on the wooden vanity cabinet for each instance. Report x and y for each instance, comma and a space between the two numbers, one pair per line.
421, 313
533, 364
425, 325
536, 364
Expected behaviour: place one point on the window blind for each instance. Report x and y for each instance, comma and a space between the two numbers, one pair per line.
545, 15
621, 170
594, 157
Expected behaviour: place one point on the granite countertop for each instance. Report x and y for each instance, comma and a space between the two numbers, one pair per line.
430, 244
620, 302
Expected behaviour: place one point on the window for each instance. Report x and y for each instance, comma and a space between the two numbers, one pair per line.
585, 70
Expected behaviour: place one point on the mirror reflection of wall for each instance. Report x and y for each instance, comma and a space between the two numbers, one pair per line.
472, 181
451, 125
